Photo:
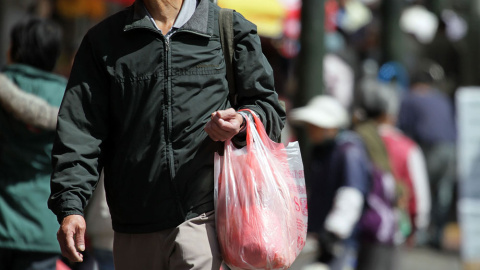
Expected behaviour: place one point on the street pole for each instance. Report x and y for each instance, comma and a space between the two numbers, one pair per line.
310, 65
310, 68
472, 56
3, 35
436, 6
393, 43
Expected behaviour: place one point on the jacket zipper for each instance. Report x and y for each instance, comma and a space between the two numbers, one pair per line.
168, 73
169, 122
168, 103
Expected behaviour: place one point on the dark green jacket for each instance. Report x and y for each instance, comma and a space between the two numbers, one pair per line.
136, 105
25, 168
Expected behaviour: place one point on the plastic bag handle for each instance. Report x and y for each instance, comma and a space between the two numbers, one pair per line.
260, 129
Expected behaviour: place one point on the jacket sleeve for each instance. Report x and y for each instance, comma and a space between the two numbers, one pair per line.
26, 107
421, 189
345, 213
407, 118
254, 78
81, 132
356, 169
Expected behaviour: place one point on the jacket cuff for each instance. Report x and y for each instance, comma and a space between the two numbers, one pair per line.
240, 140
67, 208
69, 213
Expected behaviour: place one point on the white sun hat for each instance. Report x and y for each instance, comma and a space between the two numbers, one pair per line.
420, 22
322, 111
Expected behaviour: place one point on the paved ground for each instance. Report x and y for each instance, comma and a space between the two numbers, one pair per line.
426, 259
413, 259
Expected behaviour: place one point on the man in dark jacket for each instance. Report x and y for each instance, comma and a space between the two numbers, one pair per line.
427, 116
147, 101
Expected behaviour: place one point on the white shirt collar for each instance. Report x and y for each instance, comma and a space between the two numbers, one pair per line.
186, 12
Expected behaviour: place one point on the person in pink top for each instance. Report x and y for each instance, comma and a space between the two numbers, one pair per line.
408, 166
406, 158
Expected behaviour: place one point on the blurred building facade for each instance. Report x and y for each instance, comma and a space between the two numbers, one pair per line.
355, 29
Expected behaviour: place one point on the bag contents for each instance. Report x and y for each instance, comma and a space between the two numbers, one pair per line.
261, 204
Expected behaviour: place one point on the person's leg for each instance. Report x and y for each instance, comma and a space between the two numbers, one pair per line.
192, 245
446, 189
196, 245
434, 169
346, 260
6, 258
366, 256
141, 251
104, 259
374, 256
22, 260
441, 172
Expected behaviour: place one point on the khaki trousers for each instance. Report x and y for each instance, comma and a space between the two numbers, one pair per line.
191, 245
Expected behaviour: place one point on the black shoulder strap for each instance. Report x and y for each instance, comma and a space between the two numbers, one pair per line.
225, 22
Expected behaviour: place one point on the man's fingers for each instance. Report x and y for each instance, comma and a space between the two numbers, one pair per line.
223, 125
211, 133
71, 237
67, 246
80, 239
222, 122
216, 133
226, 114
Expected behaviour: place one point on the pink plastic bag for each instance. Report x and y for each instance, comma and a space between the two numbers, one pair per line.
261, 204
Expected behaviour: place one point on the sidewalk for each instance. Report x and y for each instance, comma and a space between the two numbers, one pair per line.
413, 259
428, 259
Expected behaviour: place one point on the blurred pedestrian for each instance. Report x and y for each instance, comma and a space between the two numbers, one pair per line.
100, 232
407, 161
148, 102
27, 227
339, 177
38, 113
396, 154
384, 221
427, 116
339, 79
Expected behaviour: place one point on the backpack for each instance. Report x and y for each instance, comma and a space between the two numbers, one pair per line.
225, 23
379, 222
384, 220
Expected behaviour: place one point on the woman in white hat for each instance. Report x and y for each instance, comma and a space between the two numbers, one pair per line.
338, 179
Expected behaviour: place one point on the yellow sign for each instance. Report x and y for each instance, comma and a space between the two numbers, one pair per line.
268, 15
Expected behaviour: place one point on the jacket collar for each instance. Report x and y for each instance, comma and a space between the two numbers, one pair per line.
200, 23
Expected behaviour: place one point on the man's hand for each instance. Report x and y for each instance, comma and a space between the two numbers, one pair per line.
223, 125
71, 237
